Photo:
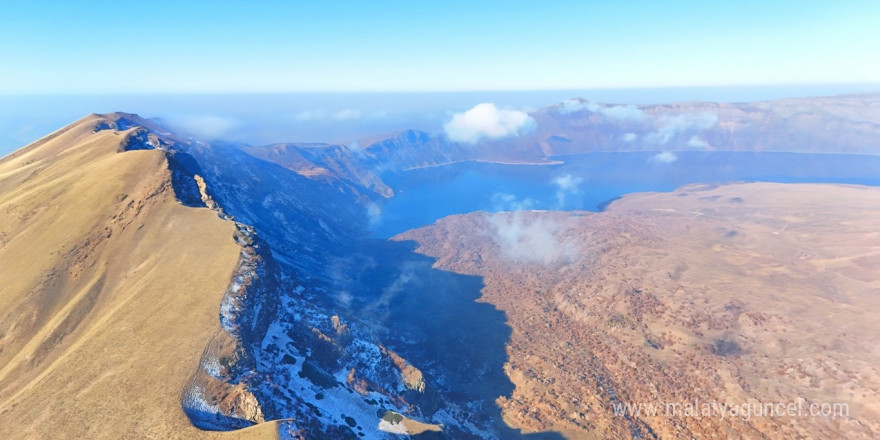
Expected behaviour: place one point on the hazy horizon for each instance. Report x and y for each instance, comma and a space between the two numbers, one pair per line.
339, 71
342, 117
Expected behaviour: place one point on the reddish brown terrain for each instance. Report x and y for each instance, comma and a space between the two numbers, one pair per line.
738, 294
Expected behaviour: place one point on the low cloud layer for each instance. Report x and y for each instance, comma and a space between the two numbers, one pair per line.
348, 114
205, 127
489, 122
622, 112
509, 202
566, 184
664, 157
696, 142
380, 309
530, 239
374, 213
669, 127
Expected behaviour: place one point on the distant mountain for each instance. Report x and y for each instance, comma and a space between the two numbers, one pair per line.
838, 124
331, 163
842, 124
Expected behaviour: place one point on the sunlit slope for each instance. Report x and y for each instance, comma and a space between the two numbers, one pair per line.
109, 289
742, 294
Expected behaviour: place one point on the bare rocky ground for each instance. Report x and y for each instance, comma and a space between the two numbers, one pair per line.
739, 294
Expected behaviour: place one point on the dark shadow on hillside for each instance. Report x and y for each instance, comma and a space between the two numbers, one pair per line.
428, 316
306, 221
432, 318
183, 168
212, 421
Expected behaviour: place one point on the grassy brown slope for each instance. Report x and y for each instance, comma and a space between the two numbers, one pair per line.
737, 293
109, 290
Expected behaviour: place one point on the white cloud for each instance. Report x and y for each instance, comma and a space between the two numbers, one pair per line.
344, 297
310, 115
374, 213
380, 309
509, 202
623, 112
670, 126
487, 121
572, 106
566, 184
629, 137
348, 114
206, 127
696, 142
529, 239
664, 157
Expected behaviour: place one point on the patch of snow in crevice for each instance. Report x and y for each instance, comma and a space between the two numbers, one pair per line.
211, 366
393, 428
194, 399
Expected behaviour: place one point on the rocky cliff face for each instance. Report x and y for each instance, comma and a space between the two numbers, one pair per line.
219, 395
334, 164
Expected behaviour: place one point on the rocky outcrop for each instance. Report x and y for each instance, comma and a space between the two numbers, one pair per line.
412, 377
218, 396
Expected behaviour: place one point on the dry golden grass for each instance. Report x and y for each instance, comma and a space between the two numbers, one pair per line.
109, 291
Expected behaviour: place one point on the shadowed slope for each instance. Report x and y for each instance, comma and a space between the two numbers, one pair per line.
110, 287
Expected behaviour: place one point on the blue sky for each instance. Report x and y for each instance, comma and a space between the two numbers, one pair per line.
264, 46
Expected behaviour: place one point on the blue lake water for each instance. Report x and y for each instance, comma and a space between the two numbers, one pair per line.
586, 182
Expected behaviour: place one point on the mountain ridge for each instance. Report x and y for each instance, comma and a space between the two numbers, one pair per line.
96, 246
280, 344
